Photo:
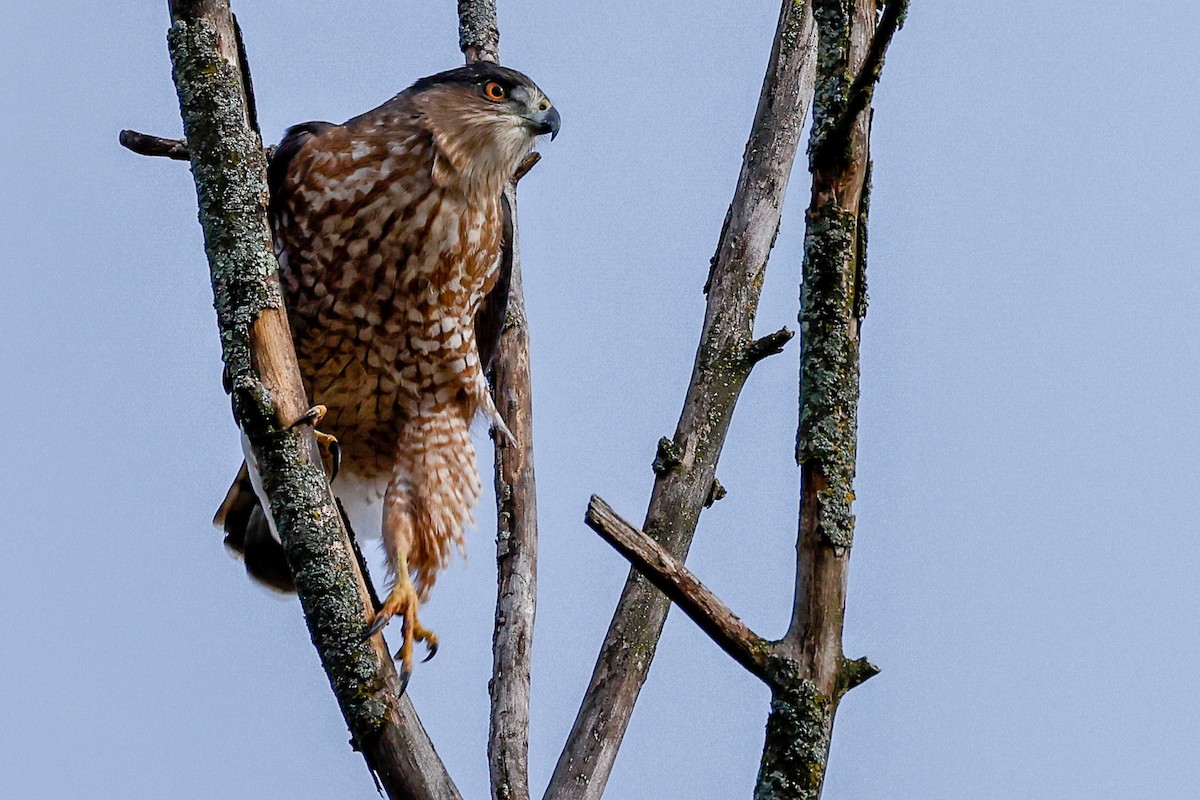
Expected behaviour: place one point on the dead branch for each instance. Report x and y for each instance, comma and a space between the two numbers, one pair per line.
516, 497
516, 559
146, 145
683, 588
260, 365
723, 363
770, 345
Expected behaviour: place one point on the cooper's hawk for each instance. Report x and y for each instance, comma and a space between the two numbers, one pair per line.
390, 230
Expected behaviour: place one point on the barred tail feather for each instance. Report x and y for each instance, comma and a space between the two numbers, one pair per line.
432, 495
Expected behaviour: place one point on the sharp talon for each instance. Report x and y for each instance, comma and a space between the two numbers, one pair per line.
331, 450
376, 626
311, 417
405, 675
433, 648
403, 602
335, 453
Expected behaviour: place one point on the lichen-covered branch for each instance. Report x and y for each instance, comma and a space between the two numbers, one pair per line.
260, 370
683, 588
862, 88
833, 302
478, 31
516, 496
684, 482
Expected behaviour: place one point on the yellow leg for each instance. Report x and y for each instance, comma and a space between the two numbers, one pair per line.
402, 601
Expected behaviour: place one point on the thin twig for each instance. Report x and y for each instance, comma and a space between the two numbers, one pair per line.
529, 162
683, 588
516, 497
268, 396
683, 485
770, 345
146, 145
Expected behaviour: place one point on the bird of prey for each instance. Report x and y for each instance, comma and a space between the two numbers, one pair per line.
394, 243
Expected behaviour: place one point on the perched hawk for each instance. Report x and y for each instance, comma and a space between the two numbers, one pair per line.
390, 230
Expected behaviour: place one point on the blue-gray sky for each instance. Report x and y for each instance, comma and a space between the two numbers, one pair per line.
1024, 569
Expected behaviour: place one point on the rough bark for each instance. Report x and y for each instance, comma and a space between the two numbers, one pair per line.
263, 379
516, 560
686, 466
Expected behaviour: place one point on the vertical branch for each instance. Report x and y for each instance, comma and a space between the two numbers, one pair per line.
686, 466
516, 560
263, 378
516, 500
833, 302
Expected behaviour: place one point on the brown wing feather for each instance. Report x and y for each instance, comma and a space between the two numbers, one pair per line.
489, 319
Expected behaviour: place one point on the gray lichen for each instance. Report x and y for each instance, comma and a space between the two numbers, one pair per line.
231, 190
797, 744
478, 29
833, 18
829, 367
230, 172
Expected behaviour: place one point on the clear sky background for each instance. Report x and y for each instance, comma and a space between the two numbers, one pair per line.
1026, 558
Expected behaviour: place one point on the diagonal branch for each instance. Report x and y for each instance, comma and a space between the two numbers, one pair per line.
260, 368
683, 588
516, 498
725, 356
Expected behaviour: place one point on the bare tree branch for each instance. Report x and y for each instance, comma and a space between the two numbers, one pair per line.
516, 498
800, 725
516, 559
478, 31
725, 356
683, 588
268, 396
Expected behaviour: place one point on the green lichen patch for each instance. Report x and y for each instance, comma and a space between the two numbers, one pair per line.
231, 188
829, 367
797, 744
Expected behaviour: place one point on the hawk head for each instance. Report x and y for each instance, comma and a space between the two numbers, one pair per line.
484, 119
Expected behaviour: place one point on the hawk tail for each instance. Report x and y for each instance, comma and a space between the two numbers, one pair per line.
248, 535
435, 488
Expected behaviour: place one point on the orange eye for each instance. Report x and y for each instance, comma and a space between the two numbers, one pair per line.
494, 91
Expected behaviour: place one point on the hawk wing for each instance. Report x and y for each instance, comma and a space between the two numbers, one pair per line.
489, 319
277, 168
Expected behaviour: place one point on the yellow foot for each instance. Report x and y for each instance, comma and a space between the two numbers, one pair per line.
331, 451
403, 602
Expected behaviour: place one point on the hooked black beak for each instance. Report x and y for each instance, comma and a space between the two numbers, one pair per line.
547, 121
